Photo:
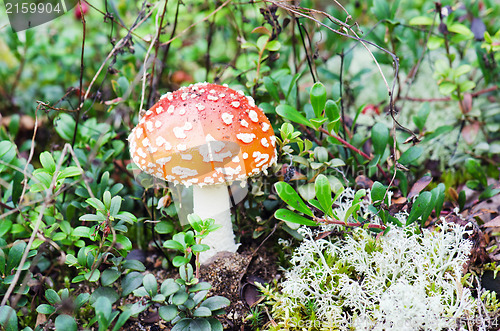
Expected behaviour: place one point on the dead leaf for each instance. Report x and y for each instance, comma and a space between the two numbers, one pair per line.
364, 182
494, 223
419, 186
470, 131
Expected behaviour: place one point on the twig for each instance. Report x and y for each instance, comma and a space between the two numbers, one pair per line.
145, 67
341, 81
357, 224
157, 47
118, 45
354, 149
28, 161
165, 55
474, 95
196, 23
308, 58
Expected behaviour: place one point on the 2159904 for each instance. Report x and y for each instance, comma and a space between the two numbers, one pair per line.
32, 8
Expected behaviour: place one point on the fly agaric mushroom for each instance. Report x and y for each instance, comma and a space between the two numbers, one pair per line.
208, 136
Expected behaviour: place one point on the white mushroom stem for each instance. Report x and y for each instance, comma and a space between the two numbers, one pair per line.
212, 201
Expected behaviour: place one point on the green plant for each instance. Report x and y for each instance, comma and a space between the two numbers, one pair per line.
183, 301
64, 306
189, 243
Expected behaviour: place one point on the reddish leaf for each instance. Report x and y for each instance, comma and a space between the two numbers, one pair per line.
419, 186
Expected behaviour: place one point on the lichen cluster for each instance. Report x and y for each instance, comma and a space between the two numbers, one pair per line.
406, 280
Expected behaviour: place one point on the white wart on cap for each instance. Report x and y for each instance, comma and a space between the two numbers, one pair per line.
203, 134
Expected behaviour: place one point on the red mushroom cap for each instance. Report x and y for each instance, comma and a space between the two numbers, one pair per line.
203, 134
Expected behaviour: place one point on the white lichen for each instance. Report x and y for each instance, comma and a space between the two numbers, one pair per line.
405, 280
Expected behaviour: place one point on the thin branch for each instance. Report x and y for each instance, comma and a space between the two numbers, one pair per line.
474, 95
196, 23
308, 57
354, 149
152, 83
167, 49
118, 45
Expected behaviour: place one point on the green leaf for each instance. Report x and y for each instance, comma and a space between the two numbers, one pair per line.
287, 193
81, 231
467, 86
324, 193
65, 323
273, 46
196, 222
262, 41
179, 297
380, 138
124, 241
69, 172
422, 115
173, 244
430, 206
321, 154
215, 303
318, 98
198, 248
130, 282
179, 261
103, 311
96, 203
133, 265
202, 312
127, 217
91, 217
381, 9
446, 88
109, 276
48, 162
474, 168
271, 88
332, 111
377, 192
158, 298
201, 286
106, 199
93, 276
317, 122
7, 151
5, 226
461, 200
215, 325
440, 199
290, 216
45, 309
15, 255
8, 318
421, 20
439, 131
290, 113
168, 313
64, 125
169, 287
150, 284
199, 297
462, 70
81, 299
122, 319
460, 29
115, 205
140, 292
418, 208
410, 155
